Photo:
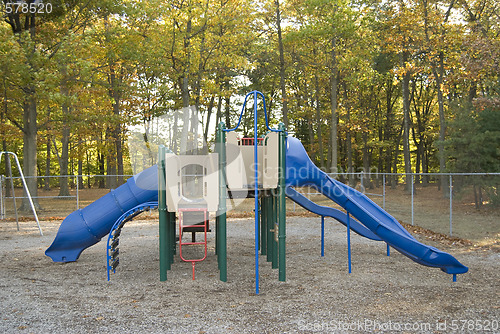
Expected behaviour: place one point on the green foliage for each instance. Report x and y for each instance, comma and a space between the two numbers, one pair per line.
99, 68
474, 144
474, 139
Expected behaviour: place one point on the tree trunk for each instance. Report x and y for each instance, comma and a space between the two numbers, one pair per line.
318, 122
207, 124
227, 111
8, 171
396, 157
442, 126
333, 103
350, 168
64, 158
30, 150
405, 83
4, 142
29, 127
115, 92
100, 166
366, 161
389, 133
80, 173
282, 65
110, 160
46, 186
219, 111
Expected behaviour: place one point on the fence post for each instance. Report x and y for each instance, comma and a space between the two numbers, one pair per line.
77, 192
383, 191
412, 191
451, 205
361, 179
2, 208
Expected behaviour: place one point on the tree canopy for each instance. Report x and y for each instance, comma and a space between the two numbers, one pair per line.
392, 85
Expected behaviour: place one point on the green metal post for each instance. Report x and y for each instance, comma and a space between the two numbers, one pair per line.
274, 221
270, 226
172, 236
282, 204
217, 240
222, 230
263, 227
162, 211
168, 243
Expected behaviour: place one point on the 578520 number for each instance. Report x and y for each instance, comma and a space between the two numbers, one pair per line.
22, 7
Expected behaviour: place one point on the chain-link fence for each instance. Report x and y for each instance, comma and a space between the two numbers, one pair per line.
463, 205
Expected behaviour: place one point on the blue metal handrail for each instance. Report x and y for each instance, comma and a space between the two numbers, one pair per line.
256, 175
255, 93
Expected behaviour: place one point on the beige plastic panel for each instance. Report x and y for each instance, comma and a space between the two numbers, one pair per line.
235, 170
173, 178
209, 186
270, 164
248, 158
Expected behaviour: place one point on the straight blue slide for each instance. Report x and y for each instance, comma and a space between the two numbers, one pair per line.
326, 211
301, 171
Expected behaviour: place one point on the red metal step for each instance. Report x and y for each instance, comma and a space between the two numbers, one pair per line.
204, 228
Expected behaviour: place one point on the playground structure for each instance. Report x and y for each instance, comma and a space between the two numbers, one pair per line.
25, 186
188, 188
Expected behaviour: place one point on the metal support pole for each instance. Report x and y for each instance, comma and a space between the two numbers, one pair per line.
256, 191
163, 216
412, 207
263, 226
13, 192
282, 203
349, 241
274, 223
451, 205
383, 192
172, 218
25, 188
221, 214
322, 236
270, 227
2, 206
77, 192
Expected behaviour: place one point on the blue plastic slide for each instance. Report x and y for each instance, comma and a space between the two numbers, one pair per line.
326, 211
301, 171
85, 227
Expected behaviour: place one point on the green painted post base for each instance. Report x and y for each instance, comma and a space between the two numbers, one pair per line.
263, 227
221, 231
164, 227
269, 227
282, 204
274, 220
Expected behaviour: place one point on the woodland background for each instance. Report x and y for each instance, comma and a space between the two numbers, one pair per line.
392, 86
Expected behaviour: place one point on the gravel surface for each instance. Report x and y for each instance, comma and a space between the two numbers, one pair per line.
382, 294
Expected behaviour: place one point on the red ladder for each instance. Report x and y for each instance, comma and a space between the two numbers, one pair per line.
204, 227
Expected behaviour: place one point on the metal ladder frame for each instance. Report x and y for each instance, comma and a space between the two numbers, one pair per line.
25, 188
182, 226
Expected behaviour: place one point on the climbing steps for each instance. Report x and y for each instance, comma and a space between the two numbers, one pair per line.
193, 220
112, 249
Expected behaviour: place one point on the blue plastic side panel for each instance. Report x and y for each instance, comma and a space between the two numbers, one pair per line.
85, 227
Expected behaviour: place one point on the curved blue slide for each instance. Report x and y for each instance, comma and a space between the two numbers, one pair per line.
301, 171
85, 227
